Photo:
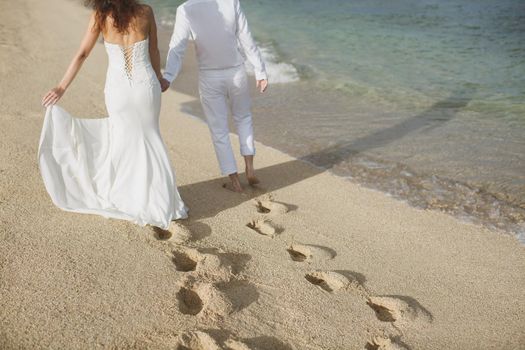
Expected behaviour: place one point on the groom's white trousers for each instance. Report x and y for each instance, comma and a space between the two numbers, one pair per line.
222, 91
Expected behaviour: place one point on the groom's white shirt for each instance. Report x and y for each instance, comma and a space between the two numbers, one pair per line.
218, 28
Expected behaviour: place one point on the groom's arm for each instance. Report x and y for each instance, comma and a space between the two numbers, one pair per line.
248, 44
178, 44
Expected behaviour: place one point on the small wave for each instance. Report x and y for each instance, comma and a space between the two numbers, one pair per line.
167, 22
278, 72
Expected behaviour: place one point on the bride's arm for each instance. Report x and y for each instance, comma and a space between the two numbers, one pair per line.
153, 45
89, 40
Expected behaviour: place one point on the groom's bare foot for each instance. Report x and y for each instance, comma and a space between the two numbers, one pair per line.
250, 176
235, 184
228, 186
250, 171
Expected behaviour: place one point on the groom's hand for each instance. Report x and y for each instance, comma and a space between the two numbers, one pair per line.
164, 84
262, 85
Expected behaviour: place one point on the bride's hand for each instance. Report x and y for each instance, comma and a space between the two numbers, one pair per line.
52, 96
164, 84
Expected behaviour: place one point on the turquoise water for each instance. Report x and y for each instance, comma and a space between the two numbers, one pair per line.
424, 100
422, 48
403, 51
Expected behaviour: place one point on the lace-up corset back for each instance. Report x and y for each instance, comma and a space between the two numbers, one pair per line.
131, 63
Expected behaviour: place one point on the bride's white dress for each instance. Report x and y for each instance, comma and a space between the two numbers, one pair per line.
116, 167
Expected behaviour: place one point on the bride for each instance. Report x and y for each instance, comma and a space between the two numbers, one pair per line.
116, 167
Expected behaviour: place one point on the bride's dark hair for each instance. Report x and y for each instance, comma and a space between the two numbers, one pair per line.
121, 11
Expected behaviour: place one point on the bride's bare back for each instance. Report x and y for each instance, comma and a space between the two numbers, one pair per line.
139, 28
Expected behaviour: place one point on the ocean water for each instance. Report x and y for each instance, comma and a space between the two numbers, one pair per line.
424, 100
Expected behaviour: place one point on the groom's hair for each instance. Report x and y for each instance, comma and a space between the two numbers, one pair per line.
121, 12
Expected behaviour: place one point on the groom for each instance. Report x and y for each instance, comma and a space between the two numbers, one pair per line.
218, 28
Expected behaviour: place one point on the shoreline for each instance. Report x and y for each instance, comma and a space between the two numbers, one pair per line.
308, 261
471, 203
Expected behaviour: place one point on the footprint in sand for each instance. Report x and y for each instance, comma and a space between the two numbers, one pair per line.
269, 206
186, 261
332, 281
264, 227
308, 252
177, 233
382, 343
328, 280
209, 264
204, 300
190, 302
398, 309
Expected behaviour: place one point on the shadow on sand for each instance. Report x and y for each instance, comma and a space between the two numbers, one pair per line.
207, 199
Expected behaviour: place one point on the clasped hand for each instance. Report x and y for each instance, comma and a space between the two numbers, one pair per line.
164, 84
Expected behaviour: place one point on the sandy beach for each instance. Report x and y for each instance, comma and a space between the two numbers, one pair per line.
306, 261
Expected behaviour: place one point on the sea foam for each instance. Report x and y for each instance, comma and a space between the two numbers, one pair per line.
278, 72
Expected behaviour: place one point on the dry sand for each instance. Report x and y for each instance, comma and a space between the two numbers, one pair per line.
309, 262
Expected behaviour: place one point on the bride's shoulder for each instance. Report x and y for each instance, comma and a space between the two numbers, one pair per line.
146, 9
145, 13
